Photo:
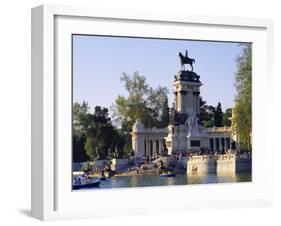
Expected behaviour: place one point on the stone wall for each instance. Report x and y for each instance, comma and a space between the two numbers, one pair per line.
228, 163
201, 164
96, 165
119, 163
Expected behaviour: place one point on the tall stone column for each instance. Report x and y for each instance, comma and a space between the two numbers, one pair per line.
198, 104
161, 147
181, 101
148, 147
177, 101
182, 106
185, 102
154, 148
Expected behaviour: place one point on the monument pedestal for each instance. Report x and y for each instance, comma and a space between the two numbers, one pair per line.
185, 134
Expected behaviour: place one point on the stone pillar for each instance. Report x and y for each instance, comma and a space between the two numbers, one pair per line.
198, 104
148, 148
185, 102
182, 106
158, 147
223, 147
222, 144
154, 148
179, 101
161, 147
176, 99
151, 148
144, 147
182, 102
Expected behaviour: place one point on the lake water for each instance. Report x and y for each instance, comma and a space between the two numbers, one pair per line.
180, 179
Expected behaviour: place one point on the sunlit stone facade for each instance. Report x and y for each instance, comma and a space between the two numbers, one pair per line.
184, 132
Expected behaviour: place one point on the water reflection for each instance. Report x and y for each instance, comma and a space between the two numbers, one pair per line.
180, 179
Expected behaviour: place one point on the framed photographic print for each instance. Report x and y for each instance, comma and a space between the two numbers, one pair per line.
136, 112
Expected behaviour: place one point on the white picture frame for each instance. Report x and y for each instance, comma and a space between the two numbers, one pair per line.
52, 197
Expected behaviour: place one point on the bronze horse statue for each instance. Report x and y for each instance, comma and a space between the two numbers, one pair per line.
186, 60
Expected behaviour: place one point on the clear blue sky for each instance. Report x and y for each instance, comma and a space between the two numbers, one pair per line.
98, 63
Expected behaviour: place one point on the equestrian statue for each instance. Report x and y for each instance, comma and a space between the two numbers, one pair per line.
186, 60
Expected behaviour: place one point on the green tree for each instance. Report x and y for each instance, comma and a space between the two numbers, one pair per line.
104, 137
79, 114
79, 153
242, 112
206, 117
94, 136
164, 122
227, 117
79, 135
143, 102
218, 116
91, 150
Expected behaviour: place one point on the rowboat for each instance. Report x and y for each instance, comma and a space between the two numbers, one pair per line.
167, 175
92, 184
102, 178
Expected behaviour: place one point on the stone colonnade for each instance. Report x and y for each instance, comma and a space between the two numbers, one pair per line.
153, 147
220, 143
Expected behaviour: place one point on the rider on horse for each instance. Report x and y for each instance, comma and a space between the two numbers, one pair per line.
186, 60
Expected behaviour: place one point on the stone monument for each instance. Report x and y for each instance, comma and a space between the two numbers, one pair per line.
185, 133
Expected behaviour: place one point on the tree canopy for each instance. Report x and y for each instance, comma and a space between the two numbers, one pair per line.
100, 137
242, 112
218, 116
143, 102
214, 116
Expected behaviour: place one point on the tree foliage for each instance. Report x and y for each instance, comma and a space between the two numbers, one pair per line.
79, 154
218, 116
227, 117
206, 117
165, 114
143, 102
79, 112
148, 104
242, 112
214, 116
91, 151
93, 133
